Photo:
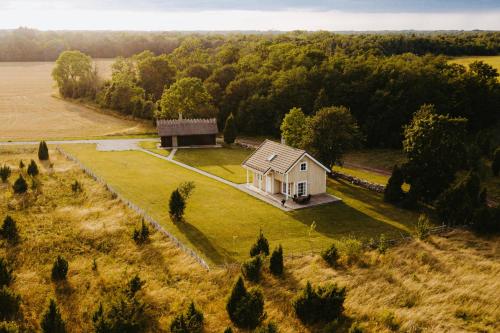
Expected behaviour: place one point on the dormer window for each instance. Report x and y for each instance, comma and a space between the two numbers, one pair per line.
303, 166
271, 157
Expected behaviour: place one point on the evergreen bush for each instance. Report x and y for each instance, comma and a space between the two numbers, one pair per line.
251, 269
52, 321
331, 255
276, 261
141, 235
324, 304
230, 130
495, 164
76, 187
9, 230
6, 276
177, 205
393, 191
261, 246
9, 303
122, 314
191, 321
32, 169
20, 186
245, 308
134, 285
5, 172
43, 151
59, 269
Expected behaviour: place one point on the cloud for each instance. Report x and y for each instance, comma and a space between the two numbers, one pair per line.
365, 6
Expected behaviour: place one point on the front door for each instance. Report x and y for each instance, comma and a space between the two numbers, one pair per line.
269, 184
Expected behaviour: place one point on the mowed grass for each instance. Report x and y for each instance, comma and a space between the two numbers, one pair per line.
222, 222
224, 162
29, 111
494, 61
152, 146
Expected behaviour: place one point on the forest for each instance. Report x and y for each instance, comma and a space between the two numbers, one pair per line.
382, 79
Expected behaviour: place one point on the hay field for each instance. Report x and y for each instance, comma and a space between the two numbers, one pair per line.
446, 284
29, 111
491, 60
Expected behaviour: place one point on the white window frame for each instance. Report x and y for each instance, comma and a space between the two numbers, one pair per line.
301, 164
305, 189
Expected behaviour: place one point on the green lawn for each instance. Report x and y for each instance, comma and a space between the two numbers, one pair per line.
152, 146
222, 222
224, 162
383, 159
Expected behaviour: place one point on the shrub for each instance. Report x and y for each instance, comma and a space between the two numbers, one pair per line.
124, 314
177, 205
276, 261
486, 220
52, 321
269, 328
325, 304
251, 269
32, 169
5, 173
6, 327
21, 165
6, 276
382, 244
59, 269
141, 235
230, 130
9, 230
245, 308
9, 303
261, 246
393, 192
331, 255
495, 165
20, 186
134, 285
190, 321
423, 227
43, 151
76, 187
351, 250
186, 189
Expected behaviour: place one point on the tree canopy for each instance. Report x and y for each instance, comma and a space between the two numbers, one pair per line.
75, 74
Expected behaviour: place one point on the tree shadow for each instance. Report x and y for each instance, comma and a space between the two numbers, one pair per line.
203, 244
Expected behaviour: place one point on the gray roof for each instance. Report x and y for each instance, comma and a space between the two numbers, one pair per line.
169, 127
273, 155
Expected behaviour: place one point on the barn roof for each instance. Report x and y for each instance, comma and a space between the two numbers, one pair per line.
275, 156
169, 127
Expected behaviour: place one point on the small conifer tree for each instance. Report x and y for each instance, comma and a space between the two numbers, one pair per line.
20, 186
5, 172
134, 285
52, 321
251, 269
393, 192
177, 205
141, 235
191, 321
9, 229
331, 255
261, 246
230, 130
276, 261
10, 303
32, 169
21, 165
43, 151
6, 276
59, 269
245, 308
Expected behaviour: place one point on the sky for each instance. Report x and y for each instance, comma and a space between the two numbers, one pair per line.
336, 15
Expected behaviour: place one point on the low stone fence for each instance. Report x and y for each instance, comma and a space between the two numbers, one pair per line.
359, 182
137, 209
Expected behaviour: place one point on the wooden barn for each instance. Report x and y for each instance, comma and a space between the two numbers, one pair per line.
187, 132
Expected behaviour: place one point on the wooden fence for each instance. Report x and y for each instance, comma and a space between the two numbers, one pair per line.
137, 209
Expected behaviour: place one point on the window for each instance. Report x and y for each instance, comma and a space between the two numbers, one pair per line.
283, 188
301, 189
271, 157
303, 166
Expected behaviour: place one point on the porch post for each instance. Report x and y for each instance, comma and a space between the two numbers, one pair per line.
247, 176
287, 189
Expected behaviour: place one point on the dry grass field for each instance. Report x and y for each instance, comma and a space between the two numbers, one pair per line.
446, 284
466, 61
28, 109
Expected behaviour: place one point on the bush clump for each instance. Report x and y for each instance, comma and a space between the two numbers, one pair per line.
141, 235
32, 169
177, 205
276, 261
245, 308
423, 227
52, 321
251, 269
9, 303
331, 255
134, 285
5, 172
20, 186
123, 313
43, 151
324, 304
9, 230
59, 269
190, 321
76, 187
6, 273
261, 246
